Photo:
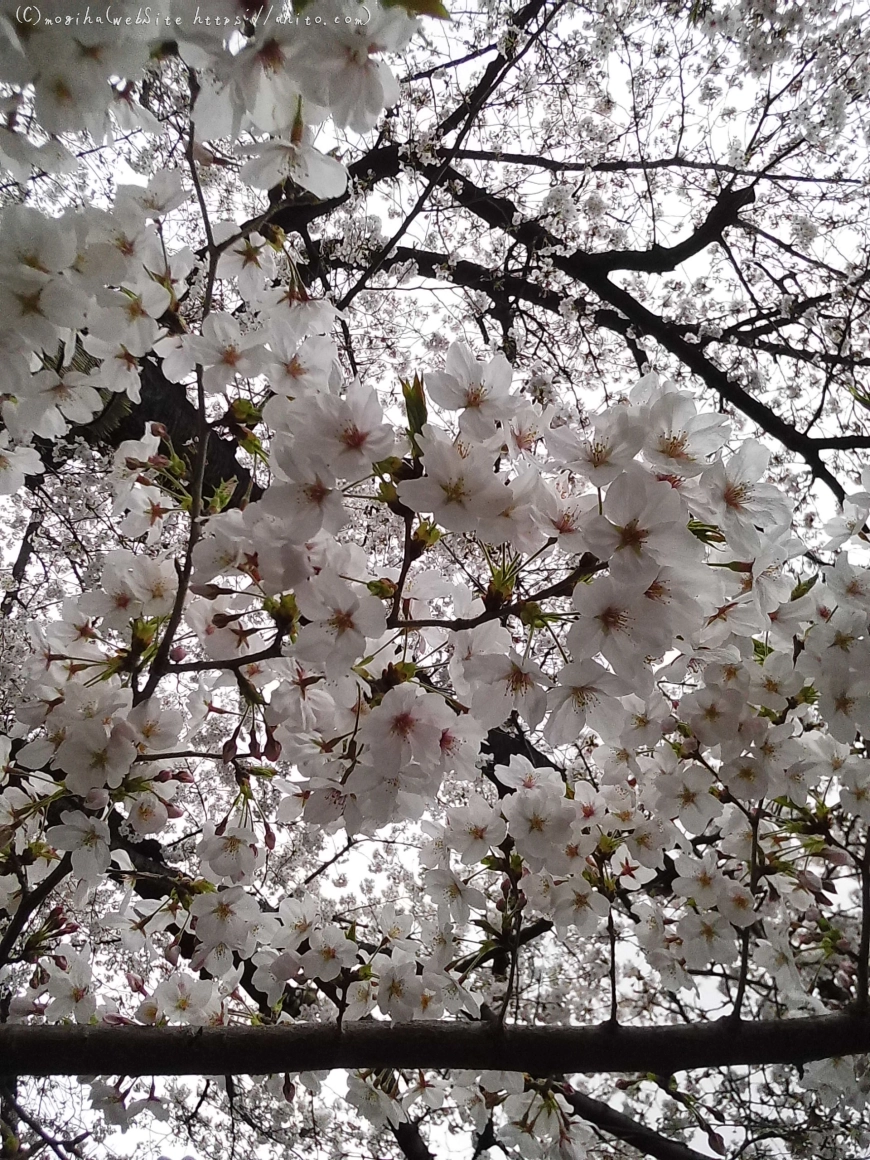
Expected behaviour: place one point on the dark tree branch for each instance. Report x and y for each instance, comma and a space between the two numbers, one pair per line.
553, 165
500, 213
27, 1049
411, 1142
30, 904
624, 1128
661, 259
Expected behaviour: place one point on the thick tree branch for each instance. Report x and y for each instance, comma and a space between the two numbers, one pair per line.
411, 1142
73, 1050
661, 259
500, 213
624, 1128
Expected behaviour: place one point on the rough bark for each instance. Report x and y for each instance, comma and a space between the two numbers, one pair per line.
606, 1048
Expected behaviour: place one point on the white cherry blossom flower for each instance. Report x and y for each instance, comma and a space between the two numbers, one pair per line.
480, 390
539, 821
503, 684
330, 952
474, 829
93, 759
87, 838
71, 989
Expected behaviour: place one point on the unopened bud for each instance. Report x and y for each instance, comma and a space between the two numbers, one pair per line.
112, 1019
207, 591
136, 983
224, 619
289, 1089
177, 653
836, 857
272, 748
172, 954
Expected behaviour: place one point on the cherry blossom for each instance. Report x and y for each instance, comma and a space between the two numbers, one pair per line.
88, 840
368, 679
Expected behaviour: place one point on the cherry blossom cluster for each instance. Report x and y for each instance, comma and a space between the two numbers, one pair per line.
691, 673
260, 70
419, 578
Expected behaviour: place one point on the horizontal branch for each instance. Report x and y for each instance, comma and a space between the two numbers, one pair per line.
537, 161
27, 1049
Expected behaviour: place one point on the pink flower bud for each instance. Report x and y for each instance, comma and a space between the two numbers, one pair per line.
136, 983
177, 653
272, 748
836, 857
172, 954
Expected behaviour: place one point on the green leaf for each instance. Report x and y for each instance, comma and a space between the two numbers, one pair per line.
250, 693
807, 696
433, 8
244, 411
415, 407
803, 587
706, 533
222, 495
762, 651
426, 534
253, 446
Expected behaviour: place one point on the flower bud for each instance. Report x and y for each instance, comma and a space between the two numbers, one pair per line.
136, 983
272, 748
